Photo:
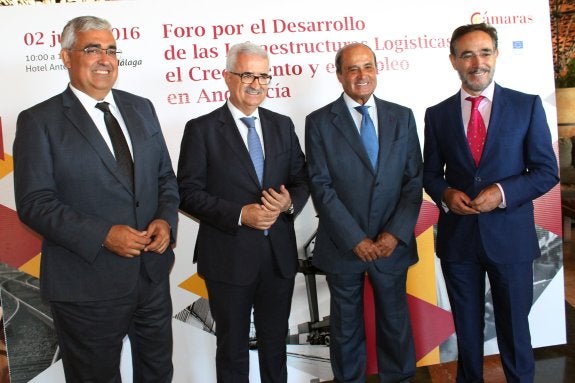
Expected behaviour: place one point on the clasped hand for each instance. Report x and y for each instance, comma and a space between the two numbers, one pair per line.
263, 216
459, 203
368, 250
128, 242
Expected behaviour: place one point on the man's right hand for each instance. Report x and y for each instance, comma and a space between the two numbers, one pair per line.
366, 250
258, 216
458, 202
126, 241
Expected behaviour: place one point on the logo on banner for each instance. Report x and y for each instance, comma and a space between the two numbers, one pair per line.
485, 17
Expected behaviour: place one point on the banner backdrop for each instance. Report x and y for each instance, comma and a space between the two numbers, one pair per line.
174, 53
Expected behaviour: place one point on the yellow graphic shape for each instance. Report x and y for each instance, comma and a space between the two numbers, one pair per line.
433, 357
6, 165
421, 283
196, 285
32, 267
421, 276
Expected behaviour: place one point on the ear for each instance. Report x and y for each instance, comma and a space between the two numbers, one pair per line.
65, 57
452, 59
339, 77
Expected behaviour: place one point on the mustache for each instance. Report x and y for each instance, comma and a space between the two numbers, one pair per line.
100, 66
479, 70
254, 91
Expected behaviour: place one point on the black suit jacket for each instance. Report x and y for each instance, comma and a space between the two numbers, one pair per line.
217, 178
69, 190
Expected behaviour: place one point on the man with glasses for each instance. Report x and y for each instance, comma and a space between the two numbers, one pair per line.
93, 176
242, 174
487, 156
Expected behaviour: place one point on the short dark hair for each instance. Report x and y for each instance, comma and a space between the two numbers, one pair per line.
465, 29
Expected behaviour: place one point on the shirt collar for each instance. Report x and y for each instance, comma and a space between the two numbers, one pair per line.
237, 114
351, 103
487, 92
89, 102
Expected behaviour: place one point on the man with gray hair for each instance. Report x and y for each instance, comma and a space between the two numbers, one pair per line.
93, 176
242, 174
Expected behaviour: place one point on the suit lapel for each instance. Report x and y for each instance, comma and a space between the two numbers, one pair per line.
228, 129
270, 138
499, 104
81, 120
386, 128
344, 123
456, 126
135, 124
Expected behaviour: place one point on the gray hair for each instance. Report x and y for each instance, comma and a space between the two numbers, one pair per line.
81, 24
248, 48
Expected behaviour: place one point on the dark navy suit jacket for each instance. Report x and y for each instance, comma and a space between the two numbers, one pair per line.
518, 155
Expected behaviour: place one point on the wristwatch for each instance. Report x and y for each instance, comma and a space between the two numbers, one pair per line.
290, 209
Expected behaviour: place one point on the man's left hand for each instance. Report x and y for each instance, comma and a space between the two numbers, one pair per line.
159, 231
275, 201
386, 244
488, 199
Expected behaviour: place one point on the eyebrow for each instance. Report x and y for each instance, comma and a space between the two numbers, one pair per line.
90, 45
481, 50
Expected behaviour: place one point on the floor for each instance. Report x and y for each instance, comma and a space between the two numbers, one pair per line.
554, 364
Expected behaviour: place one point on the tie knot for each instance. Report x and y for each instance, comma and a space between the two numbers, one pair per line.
475, 101
363, 109
103, 106
249, 121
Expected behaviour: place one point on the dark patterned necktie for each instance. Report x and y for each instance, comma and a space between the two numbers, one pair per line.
119, 143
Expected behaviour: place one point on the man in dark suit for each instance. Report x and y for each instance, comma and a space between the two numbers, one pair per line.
486, 224
246, 247
367, 207
106, 253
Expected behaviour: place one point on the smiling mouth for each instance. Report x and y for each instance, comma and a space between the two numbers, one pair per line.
103, 70
478, 72
254, 92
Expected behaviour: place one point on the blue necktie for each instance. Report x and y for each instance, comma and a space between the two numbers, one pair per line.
255, 149
368, 136
255, 146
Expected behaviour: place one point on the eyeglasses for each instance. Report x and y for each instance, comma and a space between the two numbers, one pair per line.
248, 78
97, 51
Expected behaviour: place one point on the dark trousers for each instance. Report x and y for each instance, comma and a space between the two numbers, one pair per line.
270, 296
512, 293
394, 340
90, 335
